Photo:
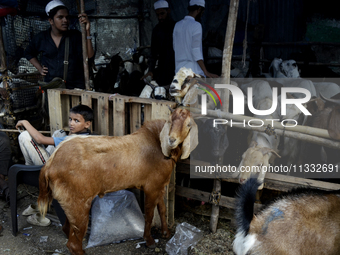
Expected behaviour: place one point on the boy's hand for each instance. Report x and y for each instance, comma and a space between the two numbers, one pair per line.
21, 123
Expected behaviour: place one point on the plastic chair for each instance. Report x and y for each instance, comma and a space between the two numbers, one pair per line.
25, 174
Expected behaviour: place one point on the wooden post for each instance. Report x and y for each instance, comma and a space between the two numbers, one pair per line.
3, 69
84, 45
226, 65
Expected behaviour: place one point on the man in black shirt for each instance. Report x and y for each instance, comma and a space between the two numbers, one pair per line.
161, 46
51, 44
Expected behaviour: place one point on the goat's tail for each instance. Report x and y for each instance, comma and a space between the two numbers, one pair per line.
245, 204
45, 193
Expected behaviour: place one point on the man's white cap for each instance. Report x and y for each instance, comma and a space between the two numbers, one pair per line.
197, 2
52, 5
161, 4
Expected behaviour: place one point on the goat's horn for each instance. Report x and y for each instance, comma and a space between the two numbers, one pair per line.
334, 101
267, 150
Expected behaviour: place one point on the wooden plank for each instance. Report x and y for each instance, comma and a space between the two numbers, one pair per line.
103, 115
65, 109
95, 123
199, 195
54, 108
86, 99
75, 100
135, 116
110, 118
128, 99
118, 117
273, 181
160, 111
147, 112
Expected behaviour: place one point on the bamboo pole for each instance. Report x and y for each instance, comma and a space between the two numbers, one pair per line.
311, 137
226, 65
3, 57
84, 45
323, 133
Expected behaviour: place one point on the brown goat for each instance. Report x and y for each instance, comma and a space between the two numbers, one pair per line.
303, 222
86, 166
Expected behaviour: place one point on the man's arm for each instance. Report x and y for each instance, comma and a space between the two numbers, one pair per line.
83, 19
197, 53
43, 70
36, 135
206, 73
154, 54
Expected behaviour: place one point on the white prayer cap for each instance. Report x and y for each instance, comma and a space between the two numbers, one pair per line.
197, 2
52, 5
161, 4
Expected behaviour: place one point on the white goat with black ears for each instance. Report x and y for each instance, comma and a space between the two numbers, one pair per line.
185, 87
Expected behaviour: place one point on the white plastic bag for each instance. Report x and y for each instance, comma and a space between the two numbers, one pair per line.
185, 236
114, 218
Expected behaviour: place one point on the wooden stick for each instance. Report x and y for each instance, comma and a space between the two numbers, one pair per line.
3, 57
84, 45
17, 131
226, 65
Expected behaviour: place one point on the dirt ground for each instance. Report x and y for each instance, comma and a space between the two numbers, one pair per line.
30, 241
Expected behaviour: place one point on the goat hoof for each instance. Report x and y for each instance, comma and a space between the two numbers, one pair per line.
152, 246
165, 234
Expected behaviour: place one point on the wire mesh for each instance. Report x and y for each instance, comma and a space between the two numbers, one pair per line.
18, 31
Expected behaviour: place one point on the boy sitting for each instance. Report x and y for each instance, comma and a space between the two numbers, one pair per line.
32, 141
32, 146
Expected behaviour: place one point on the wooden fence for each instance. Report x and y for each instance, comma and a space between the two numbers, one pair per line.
120, 115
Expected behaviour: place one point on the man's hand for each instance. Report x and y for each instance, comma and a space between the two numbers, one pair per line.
210, 75
83, 19
43, 70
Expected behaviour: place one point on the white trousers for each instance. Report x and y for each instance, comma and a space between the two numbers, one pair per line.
34, 153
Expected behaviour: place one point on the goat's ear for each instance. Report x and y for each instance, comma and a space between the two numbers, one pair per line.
190, 97
164, 138
191, 141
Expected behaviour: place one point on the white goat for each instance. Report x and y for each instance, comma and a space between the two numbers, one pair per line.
262, 146
286, 72
186, 87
